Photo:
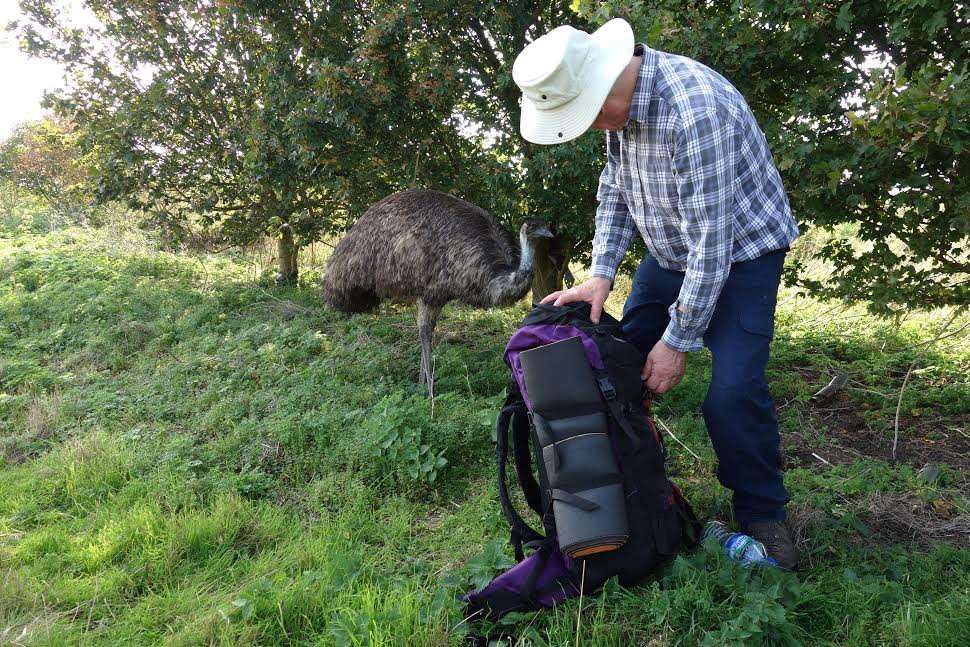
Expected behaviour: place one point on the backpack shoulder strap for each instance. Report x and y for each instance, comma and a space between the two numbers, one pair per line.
522, 452
514, 410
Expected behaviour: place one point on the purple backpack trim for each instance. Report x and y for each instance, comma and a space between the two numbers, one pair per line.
536, 335
552, 585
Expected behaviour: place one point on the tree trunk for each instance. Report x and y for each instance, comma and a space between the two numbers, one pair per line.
552, 260
288, 250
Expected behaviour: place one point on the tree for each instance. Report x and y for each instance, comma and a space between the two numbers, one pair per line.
478, 43
249, 118
44, 159
865, 107
360, 115
288, 118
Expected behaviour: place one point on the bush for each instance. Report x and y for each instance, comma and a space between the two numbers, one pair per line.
24, 212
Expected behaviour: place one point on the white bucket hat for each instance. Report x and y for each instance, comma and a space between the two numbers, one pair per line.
566, 75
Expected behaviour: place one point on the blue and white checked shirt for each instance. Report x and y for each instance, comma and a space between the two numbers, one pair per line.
692, 172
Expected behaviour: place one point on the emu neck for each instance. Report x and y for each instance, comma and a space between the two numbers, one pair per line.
527, 253
509, 287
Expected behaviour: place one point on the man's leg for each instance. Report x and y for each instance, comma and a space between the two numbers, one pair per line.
645, 314
739, 411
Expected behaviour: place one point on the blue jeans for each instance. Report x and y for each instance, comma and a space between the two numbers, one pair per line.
738, 410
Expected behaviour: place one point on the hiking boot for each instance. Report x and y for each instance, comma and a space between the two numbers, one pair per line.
777, 541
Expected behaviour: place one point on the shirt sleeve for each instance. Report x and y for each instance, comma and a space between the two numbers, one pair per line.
614, 224
704, 164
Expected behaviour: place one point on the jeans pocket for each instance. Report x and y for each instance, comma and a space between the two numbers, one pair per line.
758, 319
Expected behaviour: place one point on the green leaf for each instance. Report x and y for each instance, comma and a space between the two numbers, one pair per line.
844, 18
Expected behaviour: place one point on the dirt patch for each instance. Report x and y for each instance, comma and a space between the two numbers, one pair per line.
940, 440
837, 432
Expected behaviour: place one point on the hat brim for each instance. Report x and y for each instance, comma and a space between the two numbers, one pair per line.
614, 42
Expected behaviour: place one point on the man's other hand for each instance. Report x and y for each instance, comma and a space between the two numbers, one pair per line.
593, 291
664, 368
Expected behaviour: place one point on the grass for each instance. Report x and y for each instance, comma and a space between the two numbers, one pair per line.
191, 456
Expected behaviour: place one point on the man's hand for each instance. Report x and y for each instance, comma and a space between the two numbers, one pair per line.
593, 291
664, 368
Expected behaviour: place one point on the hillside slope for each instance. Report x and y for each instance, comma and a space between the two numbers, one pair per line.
190, 456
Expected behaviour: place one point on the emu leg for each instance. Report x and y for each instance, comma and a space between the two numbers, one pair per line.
427, 319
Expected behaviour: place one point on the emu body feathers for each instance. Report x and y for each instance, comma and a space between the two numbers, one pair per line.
431, 248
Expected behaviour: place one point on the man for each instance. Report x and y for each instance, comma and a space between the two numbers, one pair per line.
689, 168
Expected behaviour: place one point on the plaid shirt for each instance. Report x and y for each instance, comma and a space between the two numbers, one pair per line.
691, 170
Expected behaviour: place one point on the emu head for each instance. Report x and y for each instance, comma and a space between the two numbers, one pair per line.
534, 230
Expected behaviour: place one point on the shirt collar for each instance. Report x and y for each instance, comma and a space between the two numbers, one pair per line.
644, 87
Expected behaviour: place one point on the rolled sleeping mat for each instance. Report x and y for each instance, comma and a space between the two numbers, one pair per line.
586, 489
559, 379
577, 456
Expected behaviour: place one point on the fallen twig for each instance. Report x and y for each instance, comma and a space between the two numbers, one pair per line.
667, 429
836, 409
464, 620
873, 391
933, 341
838, 306
521, 640
787, 402
821, 459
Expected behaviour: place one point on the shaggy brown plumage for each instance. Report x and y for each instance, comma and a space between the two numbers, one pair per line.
431, 248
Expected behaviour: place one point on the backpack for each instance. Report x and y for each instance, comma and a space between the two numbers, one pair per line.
576, 408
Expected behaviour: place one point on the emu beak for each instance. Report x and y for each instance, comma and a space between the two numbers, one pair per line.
543, 232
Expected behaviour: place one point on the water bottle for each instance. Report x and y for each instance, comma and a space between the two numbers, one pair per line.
739, 547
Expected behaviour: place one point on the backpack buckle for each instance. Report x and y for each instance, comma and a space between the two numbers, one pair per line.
606, 388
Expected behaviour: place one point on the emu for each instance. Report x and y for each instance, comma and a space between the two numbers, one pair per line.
430, 247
